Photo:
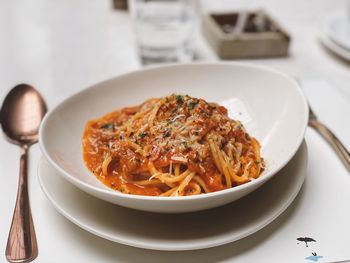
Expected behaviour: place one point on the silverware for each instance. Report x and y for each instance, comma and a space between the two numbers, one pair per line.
329, 136
21, 115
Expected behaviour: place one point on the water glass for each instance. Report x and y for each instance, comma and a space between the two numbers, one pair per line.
164, 30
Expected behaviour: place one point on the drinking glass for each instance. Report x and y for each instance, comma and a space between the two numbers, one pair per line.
164, 30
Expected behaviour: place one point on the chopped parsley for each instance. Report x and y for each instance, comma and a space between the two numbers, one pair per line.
107, 126
192, 104
142, 135
167, 133
179, 99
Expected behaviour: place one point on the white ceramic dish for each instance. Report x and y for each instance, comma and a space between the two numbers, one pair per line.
334, 47
270, 105
176, 232
332, 36
337, 28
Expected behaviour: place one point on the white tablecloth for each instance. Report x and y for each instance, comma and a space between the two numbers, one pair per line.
61, 47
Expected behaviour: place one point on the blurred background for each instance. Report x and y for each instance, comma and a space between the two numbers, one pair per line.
69, 45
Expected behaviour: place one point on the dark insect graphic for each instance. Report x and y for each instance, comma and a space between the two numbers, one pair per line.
306, 240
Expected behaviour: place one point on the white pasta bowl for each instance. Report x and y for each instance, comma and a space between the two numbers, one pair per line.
270, 105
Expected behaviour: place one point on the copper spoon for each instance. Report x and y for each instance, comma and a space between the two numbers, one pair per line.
21, 115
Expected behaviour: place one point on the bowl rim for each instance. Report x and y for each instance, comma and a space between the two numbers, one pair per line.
266, 176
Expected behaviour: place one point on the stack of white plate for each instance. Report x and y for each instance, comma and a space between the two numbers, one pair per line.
269, 104
335, 34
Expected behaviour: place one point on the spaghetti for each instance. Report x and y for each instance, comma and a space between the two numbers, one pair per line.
171, 146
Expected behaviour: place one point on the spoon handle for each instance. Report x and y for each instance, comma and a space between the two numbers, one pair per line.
21, 243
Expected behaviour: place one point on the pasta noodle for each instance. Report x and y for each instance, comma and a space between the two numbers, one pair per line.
172, 146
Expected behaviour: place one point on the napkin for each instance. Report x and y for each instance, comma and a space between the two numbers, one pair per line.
330, 106
314, 228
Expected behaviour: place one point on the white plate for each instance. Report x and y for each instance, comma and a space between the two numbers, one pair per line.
272, 107
333, 41
177, 231
337, 28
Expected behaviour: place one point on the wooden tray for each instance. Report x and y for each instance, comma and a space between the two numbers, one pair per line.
258, 39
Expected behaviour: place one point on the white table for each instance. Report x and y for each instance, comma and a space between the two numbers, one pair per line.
61, 47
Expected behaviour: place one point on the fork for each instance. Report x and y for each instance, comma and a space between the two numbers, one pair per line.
330, 137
